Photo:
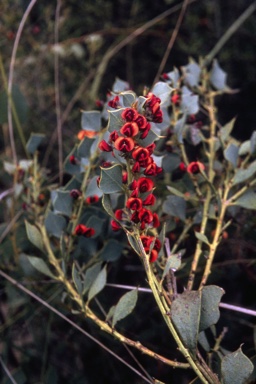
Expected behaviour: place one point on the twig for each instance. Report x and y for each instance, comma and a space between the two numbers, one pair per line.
57, 91
44, 303
6, 370
10, 79
116, 48
172, 40
231, 30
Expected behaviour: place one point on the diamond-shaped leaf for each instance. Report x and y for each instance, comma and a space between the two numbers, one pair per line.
247, 200
231, 154
62, 203
175, 206
91, 120
111, 179
236, 368
90, 276
55, 224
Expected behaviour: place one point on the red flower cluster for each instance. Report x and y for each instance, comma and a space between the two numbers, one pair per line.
139, 195
82, 230
147, 244
152, 108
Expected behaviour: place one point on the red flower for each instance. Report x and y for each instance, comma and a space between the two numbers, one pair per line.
151, 148
130, 129
150, 200
153, 102
124, 177
145, 216
72, 159
119, 214
142, 122
133, 185
104, 146
113, 136
156, 221
115, 226
152, 170
135, 193
182, 167
140, 154
114, 102
153, 256
134, 203
195, 167
175, 99
146, 241
136, 167
145, 184
124, 144
144, 133
75, 193
92, 199
129, 114
158, 117
82, 230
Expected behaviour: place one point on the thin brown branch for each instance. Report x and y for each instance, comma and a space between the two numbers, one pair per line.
172, 40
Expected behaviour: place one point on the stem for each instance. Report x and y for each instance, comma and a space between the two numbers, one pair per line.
156, 289
216, 238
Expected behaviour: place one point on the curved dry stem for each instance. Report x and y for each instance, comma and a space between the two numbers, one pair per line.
231, 30
11, 73
172, 40
117, 47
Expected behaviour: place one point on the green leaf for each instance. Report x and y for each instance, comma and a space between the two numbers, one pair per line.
210, 301
175, 191
120, 85
218, 77
34, 141
244, 174
192, 73
77, 279
90, 276
236, 368
62, 203
163, 91
133, 243
40, 266
125, 306
110, 313
98, 284
247, 200
202, 237
115, 121
91, 120
112, 250
83, 149
189, 102
173, 262
244, 148
185, 314
175, 206
55, 224
128, 98
203, 341
226, 130
34, 235
231, 154
106, 202
111, 179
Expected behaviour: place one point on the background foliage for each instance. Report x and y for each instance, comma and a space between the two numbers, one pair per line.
35, 344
